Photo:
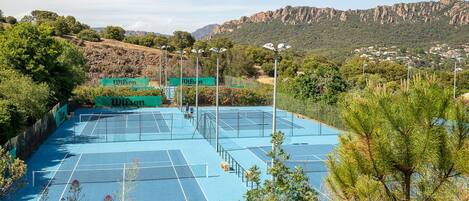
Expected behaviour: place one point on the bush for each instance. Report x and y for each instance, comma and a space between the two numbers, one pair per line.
10, 20
30, 50
228, 96
89, 35
21, 101
11, 171
85, 95
113, 32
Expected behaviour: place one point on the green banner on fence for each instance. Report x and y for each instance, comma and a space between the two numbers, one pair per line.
191, 81
128, 101
61, 115
112, 82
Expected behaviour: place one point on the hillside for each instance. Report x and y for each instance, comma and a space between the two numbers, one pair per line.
412, 25
110, 58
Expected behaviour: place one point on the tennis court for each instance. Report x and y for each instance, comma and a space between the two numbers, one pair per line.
121, 126
139, 175
311, 158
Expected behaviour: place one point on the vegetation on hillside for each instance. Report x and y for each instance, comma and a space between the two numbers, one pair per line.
343, 37
89, 35
113, 32
404, 144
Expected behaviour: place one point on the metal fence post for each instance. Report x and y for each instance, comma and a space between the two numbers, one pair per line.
262, 113
237, 130
140, 126
171, 133
105, 134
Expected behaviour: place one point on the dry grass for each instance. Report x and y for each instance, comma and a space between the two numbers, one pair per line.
115, 43
265, 80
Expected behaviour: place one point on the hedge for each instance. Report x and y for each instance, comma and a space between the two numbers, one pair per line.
228, 96
85, 95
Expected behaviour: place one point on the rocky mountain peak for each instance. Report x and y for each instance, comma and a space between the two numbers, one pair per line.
453, 12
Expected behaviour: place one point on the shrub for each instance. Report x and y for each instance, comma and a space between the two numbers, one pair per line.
89, 35
228, 96
113, 32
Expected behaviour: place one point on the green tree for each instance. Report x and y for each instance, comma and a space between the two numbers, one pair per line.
33, 52
89, 35
74, 26
160, 40
319, 83
1, 16
40, 16
287, 184
220, 42
181, 40
114, 32
10, 20
61, 27
409, 144
11, 172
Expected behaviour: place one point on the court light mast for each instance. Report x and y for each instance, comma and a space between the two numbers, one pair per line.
280, 47
165, 54
456, 70
217, 51
181, 52
198, 53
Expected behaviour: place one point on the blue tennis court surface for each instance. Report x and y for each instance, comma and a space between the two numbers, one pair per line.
311, 158
132, 175
158, 153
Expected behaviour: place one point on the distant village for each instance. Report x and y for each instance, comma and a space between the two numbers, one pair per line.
439, 56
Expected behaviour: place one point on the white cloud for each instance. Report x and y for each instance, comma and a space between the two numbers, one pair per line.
139, 25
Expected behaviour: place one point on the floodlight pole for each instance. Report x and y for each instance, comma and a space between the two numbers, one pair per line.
180, 81
217, 131
198, 52
217, 51
161, 65
280, 47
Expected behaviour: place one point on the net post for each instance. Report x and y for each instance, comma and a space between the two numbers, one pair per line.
34, 178
140, 127
123, 183
206, 170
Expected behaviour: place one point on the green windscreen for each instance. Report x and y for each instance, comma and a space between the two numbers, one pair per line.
128, 101
191, 81
112, 82
61, 115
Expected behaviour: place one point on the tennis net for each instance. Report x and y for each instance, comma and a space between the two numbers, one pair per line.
125, 174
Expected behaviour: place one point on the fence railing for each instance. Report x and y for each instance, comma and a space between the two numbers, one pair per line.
26, 142
322, 112
235, 166
127, 127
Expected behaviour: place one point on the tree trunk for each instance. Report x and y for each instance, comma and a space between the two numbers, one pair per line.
407, 177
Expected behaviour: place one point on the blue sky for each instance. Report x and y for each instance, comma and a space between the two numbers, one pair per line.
166, 16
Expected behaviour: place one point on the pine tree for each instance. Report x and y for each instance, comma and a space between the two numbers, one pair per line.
408, 144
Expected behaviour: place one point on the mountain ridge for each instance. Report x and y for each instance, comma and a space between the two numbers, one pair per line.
456, 11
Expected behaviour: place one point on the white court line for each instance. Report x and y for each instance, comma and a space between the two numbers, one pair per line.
185, 158
70, 178
48, 184
95, 125
156, 122
220, 120
177, 176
